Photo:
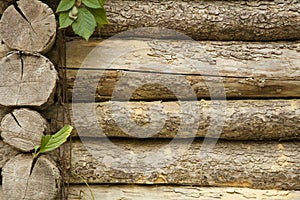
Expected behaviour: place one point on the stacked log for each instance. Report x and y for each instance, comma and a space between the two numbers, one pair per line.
257, 151
28, 83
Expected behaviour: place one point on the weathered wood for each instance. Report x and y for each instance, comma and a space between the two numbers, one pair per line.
30, 26
4, 50
27, 180
178, 193
6, 152
208, 20
23, 129
243, 119
248, 70
261, 165
26, 80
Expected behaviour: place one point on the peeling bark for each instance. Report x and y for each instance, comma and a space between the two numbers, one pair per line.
178, 193
261, 165
243, 119
208, 20
182, 69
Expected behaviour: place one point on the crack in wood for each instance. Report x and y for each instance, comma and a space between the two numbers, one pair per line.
15, 118
16, 6
22, 64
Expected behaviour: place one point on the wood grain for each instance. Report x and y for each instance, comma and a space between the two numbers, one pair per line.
23, 129
261, 165
168, 69
243, 119
29, 27
25, 179
26, 80
6, 152
178, 193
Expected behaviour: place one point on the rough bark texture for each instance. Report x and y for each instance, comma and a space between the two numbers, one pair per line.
30, 26
261, 165
208, 20
6, 152
27, 180
179, 193
26, 80
166, 69
243, 119
23, 129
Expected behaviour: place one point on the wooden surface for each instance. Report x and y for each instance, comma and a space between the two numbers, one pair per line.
262, 165
208, 20
6, 152
4, 50
23, 129
247, 70
30, 27
243, 119
26, 80
28, 180
179, 193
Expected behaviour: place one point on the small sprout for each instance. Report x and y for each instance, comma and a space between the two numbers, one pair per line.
73, 14
52, 142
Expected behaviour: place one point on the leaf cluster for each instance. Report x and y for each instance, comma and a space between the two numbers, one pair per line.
83, 15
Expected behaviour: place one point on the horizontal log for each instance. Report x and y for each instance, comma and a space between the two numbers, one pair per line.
261, 165
177, 193
247, 70
243, 119
208, 20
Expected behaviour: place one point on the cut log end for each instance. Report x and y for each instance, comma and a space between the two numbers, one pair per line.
29, 26
23, 177
26, 80
23, 129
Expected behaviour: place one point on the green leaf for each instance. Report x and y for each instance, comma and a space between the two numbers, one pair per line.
85, 24
100, 16
102, 2
92, 3
65, 20
51, 142
65, 5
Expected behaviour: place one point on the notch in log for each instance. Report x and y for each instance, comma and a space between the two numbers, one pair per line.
29, 25
26, 80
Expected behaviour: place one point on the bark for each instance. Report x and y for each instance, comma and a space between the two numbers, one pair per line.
260, 165
26, 80
168, 69
178, 193
208, 20
23, 129
243, 119
26, 179
29, 26
6, 152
